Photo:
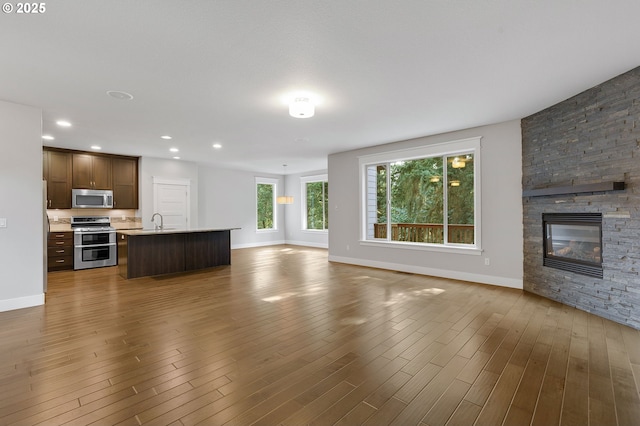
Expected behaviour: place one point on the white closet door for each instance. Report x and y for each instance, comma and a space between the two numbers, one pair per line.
171, 200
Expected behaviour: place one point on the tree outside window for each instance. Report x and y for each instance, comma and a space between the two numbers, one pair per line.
265, 201
316, 208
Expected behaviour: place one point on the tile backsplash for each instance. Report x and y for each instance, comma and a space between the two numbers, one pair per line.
60, 220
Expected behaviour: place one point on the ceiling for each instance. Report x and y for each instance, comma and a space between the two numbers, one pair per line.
217, 71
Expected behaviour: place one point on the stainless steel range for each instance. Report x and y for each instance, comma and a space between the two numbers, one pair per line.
94, 242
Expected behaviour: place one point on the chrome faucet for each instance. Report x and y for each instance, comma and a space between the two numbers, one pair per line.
161, 221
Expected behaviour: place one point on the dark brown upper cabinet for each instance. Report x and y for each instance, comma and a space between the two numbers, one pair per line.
125, 183
91, 172
64, 169
56, 170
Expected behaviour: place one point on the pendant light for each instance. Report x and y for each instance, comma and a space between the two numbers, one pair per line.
284, 199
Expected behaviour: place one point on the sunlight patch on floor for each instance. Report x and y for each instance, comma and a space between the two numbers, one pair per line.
353, 321
279, 297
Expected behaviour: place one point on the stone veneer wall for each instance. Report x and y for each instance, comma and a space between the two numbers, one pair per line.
591, 137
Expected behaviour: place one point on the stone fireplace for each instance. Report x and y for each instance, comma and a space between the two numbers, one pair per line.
582, 157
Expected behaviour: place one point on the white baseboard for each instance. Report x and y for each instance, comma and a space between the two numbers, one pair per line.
279, 242
258, 244
442, 273
21, 302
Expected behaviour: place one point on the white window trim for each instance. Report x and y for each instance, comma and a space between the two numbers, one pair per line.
432, 150
268, 181
303, 198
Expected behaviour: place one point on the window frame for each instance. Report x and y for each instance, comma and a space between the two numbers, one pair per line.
443, 149
274, 183
303, 205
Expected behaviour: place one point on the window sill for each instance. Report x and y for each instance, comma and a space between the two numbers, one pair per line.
473, 251
316, 231
265, 231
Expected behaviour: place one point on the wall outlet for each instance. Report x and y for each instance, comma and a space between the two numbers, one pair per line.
3, 222
55, 218
124, 217
487, 261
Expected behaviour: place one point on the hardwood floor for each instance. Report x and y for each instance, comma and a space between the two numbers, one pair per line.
283, 337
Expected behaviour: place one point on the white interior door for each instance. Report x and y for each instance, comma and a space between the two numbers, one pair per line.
171, 198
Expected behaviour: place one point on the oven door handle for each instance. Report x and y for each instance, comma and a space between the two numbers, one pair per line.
95, 245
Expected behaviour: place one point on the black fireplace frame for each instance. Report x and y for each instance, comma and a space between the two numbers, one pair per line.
591, 269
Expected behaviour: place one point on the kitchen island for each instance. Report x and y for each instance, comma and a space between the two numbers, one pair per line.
143, 253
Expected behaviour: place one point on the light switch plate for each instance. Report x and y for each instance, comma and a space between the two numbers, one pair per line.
3, 222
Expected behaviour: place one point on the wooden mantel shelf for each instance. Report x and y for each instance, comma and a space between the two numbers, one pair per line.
574, 189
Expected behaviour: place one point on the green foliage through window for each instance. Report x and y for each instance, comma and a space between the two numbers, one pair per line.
317, 194
430, 200
265, 211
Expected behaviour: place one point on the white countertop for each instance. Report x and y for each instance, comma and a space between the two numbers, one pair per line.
134, 232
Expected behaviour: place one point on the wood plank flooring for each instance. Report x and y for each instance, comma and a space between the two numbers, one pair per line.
283, 337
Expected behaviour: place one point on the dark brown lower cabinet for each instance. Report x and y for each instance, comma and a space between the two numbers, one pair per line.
60, 251
168, 253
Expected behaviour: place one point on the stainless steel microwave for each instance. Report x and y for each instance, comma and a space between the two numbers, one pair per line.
91, 199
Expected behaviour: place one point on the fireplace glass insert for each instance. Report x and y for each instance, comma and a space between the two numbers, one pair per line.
573, 242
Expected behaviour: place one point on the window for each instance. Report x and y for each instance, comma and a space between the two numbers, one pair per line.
265, 204
423, 197
315, 210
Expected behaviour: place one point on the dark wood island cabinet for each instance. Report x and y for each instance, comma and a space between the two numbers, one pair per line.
143, 253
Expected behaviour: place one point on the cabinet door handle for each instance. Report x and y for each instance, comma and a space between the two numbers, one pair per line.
49, 203
59, 251
59, 261
59, 235
59, 243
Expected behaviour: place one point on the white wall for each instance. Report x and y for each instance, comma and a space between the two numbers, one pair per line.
294, 212
228, 200
502, 239
22, 205
169, 169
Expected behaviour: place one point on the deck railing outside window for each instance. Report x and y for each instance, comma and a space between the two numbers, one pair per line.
425, 232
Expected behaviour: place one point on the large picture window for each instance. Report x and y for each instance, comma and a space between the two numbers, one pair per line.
424, 196
315, 211
265, 204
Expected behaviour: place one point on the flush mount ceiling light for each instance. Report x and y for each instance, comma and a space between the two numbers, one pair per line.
63, 123
217, 146
48, 137
165, 137
96, 147
174, 149
301, 107
121, 96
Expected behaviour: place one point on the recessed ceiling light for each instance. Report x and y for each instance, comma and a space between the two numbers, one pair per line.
63, 123
174, 149
96, 147
167, 137
217, 146
122, 96
176, 158
48, 137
